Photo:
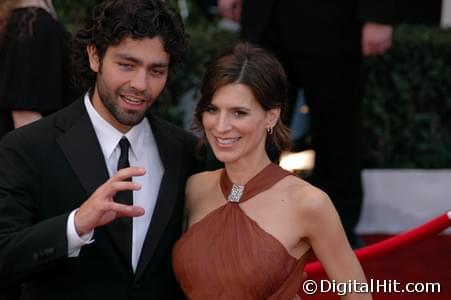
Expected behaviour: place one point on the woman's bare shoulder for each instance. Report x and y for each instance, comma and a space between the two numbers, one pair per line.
313, 207
307, 198
200, 184
203, 179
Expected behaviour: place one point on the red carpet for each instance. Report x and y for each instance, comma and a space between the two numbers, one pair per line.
428, 261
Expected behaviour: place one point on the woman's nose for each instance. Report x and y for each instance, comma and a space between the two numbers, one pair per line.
223, 123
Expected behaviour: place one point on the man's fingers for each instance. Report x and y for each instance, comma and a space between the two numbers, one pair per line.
127, 173
124, 210
365, 49
237, 14
224, 8
230, 9
376, 38
119, 186
373, 48
121, 181
370, 49
223, 11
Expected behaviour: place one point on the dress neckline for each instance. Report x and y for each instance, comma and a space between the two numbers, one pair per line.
263, 180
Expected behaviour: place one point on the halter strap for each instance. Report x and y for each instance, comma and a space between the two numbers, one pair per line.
266, 178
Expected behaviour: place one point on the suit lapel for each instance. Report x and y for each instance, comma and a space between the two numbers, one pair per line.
168, 145
82, 149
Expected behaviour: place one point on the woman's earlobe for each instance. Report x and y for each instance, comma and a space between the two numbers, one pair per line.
274, 115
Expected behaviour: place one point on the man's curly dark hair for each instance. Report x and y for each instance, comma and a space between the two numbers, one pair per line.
114, 20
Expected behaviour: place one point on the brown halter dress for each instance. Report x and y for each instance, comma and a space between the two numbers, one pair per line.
227, 255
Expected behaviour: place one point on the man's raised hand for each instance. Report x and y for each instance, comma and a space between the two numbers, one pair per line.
101, 209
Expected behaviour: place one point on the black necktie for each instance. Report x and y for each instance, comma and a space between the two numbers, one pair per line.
125, 197
124, 226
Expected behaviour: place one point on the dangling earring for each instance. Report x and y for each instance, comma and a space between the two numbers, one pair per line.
269, 130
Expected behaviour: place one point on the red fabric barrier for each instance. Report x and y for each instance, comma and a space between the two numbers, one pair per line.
395, 243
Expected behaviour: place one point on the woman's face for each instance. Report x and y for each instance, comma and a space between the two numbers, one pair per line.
235, 123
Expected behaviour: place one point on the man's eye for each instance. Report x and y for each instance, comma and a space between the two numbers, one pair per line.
125, 66
158, 72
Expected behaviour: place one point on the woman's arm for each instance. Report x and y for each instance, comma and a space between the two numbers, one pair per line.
325, 232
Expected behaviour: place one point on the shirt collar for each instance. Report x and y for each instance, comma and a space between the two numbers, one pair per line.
109, 136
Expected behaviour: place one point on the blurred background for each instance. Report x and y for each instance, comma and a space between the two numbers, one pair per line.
406, 117
407, 103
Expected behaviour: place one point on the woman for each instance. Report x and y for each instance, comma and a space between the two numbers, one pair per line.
34, 63
252, 225
34, 75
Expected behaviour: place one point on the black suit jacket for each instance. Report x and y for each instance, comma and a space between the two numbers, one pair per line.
320, 27
48, 169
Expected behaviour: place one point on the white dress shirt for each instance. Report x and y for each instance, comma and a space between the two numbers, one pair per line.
143, 152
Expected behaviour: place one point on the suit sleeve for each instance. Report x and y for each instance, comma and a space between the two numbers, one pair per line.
378, 11
27, 246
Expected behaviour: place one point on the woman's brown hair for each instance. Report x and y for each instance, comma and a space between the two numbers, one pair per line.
6, 8
261, 72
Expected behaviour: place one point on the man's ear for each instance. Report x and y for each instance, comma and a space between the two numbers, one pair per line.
272, 116
94, 60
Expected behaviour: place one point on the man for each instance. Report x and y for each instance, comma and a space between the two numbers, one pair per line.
321, 45
70, 227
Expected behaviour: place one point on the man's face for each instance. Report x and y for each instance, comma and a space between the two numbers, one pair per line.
130, 77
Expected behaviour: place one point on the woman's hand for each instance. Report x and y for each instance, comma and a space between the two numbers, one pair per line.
24, 117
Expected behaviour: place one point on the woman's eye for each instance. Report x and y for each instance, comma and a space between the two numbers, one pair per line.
210, 109
240, 113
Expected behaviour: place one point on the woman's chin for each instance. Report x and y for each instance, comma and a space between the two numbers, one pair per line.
226, 158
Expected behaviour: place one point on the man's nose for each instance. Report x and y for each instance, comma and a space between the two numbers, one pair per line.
139, 80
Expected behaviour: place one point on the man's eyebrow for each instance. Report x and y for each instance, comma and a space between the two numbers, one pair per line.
127, 57
162, 64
